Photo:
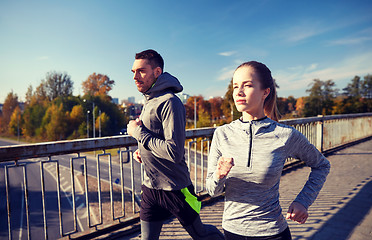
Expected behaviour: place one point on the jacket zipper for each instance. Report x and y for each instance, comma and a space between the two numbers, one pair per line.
250, 146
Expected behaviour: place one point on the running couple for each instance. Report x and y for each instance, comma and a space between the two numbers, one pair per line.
246, 158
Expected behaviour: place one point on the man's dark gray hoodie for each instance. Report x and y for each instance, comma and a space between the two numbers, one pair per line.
161, 138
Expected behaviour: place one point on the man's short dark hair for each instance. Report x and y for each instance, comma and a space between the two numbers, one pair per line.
154, 58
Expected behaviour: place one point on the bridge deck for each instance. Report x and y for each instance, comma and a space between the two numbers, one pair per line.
342, 211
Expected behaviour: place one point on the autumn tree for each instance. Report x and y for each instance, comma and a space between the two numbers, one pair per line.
216, 108
29, 95
286, 106
97, 84
75, 119
190, 107
10, 104
15, 122
40, 94
300, 106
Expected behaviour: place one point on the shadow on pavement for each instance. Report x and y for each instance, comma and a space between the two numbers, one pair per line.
341, 225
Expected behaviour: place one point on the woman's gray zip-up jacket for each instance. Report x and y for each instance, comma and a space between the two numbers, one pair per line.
161, 138
259, 149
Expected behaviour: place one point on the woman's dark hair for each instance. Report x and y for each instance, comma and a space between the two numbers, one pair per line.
154, 58
267, 81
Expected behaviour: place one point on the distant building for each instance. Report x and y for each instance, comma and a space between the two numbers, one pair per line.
134, 111
115, 100
132, 99
183, 97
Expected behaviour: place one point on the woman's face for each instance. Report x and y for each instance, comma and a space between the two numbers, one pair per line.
247, 93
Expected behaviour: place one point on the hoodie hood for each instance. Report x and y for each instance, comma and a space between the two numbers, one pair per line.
164, 83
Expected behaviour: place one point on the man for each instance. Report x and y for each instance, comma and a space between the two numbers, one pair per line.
167, 188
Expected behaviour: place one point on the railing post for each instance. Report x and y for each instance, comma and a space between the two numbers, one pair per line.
319, 133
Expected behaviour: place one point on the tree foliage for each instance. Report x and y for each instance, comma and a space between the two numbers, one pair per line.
56, 85
216, 108
15, 121
356, 98
54, 123
10, 104
97, 84
321, 98
228, 106
51, 112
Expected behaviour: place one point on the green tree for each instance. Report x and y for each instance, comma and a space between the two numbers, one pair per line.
103, 119
353, 89
366, 90
321, 98
357, 96
54, 123
228, 106
366, 87
117, 120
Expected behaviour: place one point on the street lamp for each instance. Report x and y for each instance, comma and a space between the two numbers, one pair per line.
18, 124
88, 123
195, 112
94, 122
99, 123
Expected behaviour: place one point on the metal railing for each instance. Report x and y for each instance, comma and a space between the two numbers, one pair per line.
83, 188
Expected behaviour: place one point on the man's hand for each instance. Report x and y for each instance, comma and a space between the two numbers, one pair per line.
132, 126
137, 156
297, 212
224, 166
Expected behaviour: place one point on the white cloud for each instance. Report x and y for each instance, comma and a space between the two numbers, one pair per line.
363, 36
226, 73
295, 80
42, 58
302, 31
350, 41
227, 54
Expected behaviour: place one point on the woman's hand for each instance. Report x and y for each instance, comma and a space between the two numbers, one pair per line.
224, 166
297, 212
137, 156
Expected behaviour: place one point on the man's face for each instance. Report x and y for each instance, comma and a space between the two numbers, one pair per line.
143, 74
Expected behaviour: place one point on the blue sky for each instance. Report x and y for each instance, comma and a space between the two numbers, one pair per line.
202, 42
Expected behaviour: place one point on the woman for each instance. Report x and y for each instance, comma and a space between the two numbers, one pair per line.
247, 158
